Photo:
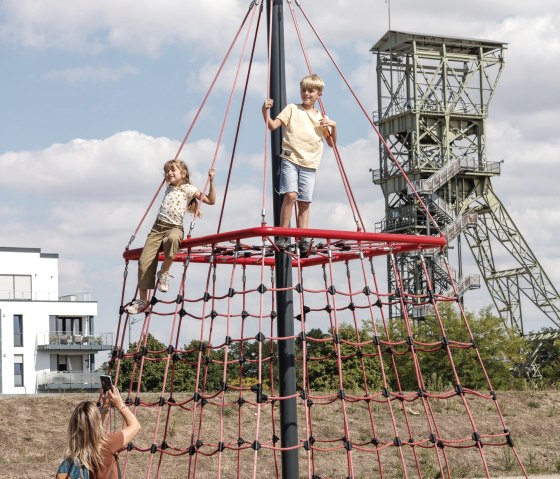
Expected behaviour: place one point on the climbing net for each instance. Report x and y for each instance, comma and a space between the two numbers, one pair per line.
363, 404
360, 422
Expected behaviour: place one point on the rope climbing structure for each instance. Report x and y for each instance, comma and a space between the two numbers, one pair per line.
217, 408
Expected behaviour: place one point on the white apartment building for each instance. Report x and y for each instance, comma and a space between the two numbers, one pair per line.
48, 341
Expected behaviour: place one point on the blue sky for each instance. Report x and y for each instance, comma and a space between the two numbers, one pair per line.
98, 94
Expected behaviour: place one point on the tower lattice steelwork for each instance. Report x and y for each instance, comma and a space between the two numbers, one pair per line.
433, 98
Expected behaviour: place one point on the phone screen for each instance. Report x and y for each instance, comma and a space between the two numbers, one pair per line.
106, 383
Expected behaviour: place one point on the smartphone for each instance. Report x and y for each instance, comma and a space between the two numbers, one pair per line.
106, 383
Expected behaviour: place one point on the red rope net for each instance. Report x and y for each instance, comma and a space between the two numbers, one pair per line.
217, 410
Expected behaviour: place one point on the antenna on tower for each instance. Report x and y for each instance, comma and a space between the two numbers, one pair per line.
388, 2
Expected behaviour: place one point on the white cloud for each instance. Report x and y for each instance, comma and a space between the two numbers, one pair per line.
125, 164
83, 198
89, 73
9, 211
131, 26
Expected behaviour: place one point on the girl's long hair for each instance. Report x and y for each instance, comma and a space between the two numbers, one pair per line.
86, 437
192, 208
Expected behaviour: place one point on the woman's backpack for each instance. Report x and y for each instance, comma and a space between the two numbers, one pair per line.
72, 470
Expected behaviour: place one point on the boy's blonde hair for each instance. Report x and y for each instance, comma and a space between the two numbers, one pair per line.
312, 82
192, 208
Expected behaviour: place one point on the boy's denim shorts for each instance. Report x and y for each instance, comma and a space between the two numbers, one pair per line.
298, 179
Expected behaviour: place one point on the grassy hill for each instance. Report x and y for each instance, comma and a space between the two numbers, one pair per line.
33, 434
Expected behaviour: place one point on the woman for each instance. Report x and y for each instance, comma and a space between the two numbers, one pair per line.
91, 451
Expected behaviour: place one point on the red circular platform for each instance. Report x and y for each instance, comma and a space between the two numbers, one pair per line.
255, 246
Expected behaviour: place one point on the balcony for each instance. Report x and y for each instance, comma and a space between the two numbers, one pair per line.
57, 340
28, 295
79, 296
67, 381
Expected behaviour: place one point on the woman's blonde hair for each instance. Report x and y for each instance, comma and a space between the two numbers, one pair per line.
192, 208
312, 82
86, 437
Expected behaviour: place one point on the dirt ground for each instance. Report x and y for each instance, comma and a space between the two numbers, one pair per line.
33, 432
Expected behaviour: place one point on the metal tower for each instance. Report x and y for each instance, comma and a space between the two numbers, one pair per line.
433, 97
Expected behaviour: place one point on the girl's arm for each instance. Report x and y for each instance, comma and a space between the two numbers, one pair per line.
210, 198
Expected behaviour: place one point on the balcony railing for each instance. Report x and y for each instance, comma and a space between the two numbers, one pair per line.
76, 296
65, 380
66, 340
27, 295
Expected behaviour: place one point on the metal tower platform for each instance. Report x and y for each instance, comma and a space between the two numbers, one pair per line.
433, 98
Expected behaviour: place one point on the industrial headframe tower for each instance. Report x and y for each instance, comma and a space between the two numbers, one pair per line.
433, 98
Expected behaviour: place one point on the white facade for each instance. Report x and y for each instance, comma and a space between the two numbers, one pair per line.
47, 342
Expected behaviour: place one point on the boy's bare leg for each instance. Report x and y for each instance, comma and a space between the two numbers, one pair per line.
287, 208
303, 214
303, 222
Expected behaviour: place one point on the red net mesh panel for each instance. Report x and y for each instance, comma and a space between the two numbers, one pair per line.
364, 405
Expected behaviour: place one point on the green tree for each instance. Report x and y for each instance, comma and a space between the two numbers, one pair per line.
499, 349
246, 368
208, 361
501, 352
153, 361
359, 365
148, 372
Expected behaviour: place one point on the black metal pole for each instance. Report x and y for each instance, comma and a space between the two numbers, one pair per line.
284, 299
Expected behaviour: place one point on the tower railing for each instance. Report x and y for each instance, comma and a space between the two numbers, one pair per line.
455, 228
451, 169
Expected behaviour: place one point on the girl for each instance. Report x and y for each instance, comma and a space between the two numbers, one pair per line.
91, 451
167, 232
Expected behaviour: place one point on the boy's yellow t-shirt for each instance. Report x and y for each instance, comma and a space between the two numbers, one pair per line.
302, 142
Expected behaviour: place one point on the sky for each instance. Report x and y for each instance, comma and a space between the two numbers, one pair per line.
97, 95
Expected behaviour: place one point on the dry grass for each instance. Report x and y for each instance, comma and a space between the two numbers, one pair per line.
33, 432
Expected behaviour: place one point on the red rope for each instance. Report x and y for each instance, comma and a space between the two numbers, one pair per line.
234, 149
226, 115
192, 124
383, 141
349, 193
366, 300
214, 80
266, 136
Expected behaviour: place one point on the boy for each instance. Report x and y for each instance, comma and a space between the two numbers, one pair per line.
302, 148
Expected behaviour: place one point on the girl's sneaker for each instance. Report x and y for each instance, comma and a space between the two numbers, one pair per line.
163, 281
137, 306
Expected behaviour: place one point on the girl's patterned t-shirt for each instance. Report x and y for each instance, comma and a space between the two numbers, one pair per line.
175, 203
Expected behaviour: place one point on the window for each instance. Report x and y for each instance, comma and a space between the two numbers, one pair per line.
62, 363
18, 330
15, 286
22, 287
18, 370
69, 325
